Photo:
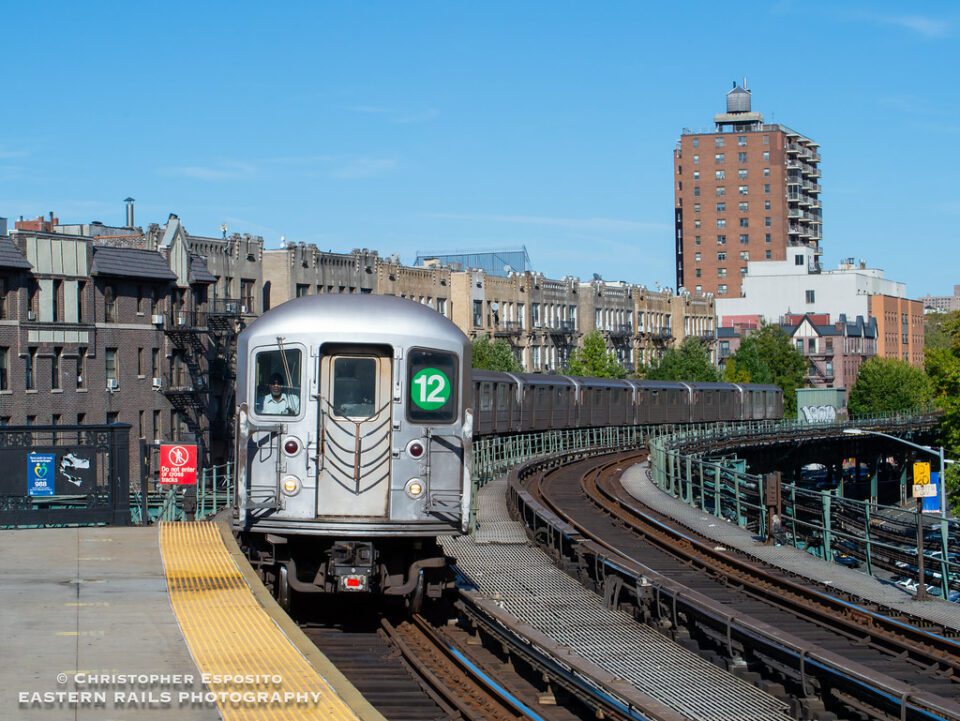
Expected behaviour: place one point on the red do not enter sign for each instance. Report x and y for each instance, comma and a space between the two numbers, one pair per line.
178, 464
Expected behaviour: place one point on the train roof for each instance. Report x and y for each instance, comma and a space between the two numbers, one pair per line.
361, 317
540, 379
662, 385
592, 382
712, 385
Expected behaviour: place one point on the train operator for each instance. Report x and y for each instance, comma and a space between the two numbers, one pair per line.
278, 403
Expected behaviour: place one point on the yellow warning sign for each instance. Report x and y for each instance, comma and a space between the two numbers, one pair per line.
921, 474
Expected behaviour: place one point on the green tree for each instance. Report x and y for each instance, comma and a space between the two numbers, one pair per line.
768, 356
494, 355
886, 385
594, 360
690, 361
943, 368
938, 330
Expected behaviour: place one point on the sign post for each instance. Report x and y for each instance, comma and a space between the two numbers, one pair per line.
178, 464
922, 488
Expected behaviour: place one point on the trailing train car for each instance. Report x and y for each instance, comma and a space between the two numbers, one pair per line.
354, 444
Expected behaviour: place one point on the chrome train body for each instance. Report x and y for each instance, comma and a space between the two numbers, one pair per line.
523, 403
353, 444
355, 422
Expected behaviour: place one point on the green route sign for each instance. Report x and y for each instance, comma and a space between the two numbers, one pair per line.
430, 389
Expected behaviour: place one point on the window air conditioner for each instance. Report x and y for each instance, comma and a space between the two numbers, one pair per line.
181, 319
157, 319
31, 315
157, 383
113, 384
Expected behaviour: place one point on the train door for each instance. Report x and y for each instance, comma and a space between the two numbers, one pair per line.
355, 407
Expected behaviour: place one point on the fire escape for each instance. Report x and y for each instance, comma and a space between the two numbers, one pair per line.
224, 323
188, 393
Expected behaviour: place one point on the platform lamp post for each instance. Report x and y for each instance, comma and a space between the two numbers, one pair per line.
938, 452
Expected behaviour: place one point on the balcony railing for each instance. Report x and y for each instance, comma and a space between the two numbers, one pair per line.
225, 306
508, 327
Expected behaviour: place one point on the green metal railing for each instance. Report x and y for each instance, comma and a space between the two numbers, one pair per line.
821, 522
213, 492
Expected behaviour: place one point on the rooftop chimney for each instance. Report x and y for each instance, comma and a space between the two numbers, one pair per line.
129, 202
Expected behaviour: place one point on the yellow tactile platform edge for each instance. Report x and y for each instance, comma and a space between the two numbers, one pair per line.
230, 635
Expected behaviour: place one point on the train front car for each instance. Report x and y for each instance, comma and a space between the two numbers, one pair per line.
353, 444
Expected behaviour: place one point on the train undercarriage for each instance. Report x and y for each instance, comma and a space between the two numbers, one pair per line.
407, 569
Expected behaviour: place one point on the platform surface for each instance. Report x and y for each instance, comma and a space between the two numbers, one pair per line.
803, 564
152, 624
87, 602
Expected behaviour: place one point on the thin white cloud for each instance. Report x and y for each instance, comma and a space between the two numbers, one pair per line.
228, 170
928, 27
363, 167
590, 225
10, 153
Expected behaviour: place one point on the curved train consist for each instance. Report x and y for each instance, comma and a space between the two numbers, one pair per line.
355, 422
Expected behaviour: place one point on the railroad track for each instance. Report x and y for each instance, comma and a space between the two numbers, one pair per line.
411, 668
824, 650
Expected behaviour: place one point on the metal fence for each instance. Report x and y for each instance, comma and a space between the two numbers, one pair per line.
881, 539
213, 492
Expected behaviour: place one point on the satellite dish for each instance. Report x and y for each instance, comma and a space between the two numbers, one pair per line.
508, 268
494, 306
596, 276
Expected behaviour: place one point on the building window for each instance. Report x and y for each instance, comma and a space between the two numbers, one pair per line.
139, 361
696, 175
720, 174
742, 173
743, 270
3, 297
697, 272
4, 369
696, 207
810, 296
768, 221
81, 367
246, 295
110, 363
696, 142
742, 157
696, 239
742, 140
766, 205
696, 223
109, 304
55, 368
719, 142
722, 289
768, 254
721, 272
767, 238
55, 421
57, 300
744, 238
766, 172
799, 344
743, 190
696, 257
766, 188
721, 207
113, 417
696, 191
744, 222
744, 206
744, 255
30, 363
696, 159
721, 222
798, 260
157, 425
766, 140
721, 240
766, 155
721, 256
302, 290
719, 158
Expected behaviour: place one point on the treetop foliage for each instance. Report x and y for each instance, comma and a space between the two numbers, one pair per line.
594, 360
690, 361
888, 385
494, 355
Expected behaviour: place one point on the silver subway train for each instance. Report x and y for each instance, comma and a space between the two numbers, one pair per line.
355, 421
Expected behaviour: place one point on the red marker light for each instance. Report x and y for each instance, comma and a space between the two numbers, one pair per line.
291, 446
353, 582
415, 449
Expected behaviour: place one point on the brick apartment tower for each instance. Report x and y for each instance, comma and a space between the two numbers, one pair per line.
746, 191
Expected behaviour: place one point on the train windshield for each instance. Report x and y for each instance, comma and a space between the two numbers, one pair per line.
432, 386
354, 387
278, 382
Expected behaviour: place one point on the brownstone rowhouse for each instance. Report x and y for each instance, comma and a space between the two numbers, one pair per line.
745, 191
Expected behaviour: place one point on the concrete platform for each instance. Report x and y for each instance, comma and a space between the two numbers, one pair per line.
76, 602
635, 480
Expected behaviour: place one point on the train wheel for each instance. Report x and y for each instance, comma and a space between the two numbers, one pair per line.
283, 589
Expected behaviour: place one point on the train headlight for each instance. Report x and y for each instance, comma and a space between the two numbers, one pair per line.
291, 445
415, 449
291, 485
414, 488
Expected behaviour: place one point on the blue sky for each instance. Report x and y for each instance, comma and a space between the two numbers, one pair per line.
445, 125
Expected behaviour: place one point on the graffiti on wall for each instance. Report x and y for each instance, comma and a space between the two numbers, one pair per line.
819, 414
